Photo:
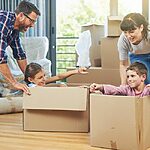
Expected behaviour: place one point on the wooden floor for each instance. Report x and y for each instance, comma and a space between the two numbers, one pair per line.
12, 137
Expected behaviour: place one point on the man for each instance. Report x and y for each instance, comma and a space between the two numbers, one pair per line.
11, 24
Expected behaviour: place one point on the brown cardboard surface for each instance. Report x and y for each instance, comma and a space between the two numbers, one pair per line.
97, 75
56, 109
109, 53
145, 124
56, 98
119, 122
97, 32
52, 120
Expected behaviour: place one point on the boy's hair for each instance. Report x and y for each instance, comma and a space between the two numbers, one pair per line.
139, 67
27, 7
133, 21
31, 70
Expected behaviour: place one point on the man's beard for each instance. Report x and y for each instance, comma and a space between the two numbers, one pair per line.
22, 29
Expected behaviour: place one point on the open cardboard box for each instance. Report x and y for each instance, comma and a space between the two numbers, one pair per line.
119, 122
56, 109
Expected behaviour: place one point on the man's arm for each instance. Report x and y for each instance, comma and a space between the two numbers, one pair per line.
123, 66
22, 64
4, 69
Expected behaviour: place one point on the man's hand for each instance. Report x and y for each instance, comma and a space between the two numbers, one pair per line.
23, 87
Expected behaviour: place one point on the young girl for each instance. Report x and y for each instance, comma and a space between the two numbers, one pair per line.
136, 75
35, 75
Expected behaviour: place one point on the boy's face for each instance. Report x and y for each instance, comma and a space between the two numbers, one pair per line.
39, 78
134, 80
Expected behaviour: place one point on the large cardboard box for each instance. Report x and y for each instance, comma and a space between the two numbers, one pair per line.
97, 32
109, 53
112, 26
119, 122
56, 109
96, 75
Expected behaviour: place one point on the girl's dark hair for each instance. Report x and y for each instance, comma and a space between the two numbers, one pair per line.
139, 67
27, 7
134, 20
31, 70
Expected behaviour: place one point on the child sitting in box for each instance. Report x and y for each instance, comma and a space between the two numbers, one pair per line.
35, 75
136, 75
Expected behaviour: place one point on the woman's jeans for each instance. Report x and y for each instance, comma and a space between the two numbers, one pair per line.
143, 58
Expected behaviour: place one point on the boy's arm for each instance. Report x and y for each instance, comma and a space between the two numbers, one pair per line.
115, 90
66, 75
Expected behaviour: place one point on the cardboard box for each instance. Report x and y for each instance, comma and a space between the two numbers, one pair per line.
109, 53
97, 32
56, 109
112, 26
97, 75
119, 122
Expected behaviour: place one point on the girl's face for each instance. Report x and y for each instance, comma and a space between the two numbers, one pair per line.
134, 36
39, 78
134, 80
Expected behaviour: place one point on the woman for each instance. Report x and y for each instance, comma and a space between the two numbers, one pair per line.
134, 43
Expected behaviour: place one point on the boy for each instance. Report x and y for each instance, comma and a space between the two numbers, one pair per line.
136, 75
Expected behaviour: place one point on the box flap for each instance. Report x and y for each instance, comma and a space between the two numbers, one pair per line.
56, 98
145, 124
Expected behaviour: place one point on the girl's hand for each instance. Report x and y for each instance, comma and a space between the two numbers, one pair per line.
82, 70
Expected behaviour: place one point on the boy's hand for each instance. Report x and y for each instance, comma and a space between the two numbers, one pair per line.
93, 87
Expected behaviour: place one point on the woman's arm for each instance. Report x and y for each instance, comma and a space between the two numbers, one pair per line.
66, 75
123, 66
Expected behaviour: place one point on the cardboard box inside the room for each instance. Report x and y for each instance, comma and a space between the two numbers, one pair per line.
96, 75
109, 53
119, 122
112, 26
97, 32
56, 109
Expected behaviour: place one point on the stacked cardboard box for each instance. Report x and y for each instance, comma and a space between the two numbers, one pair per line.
109, 72
112, 26
97, 32
109, 53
